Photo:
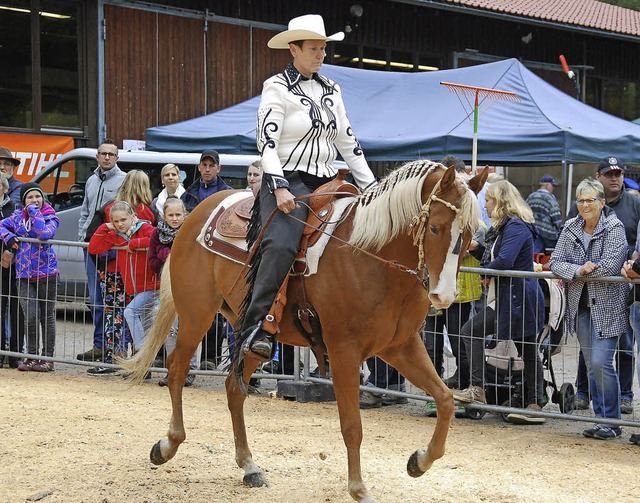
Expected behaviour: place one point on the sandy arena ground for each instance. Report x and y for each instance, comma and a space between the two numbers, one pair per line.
69, 437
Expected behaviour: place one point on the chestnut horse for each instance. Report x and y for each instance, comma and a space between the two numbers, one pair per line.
420, 215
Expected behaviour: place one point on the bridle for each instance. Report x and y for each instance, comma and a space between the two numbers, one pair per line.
418, 224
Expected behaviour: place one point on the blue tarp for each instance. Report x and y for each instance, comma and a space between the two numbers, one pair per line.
404, 116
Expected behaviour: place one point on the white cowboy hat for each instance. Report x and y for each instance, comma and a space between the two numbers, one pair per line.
309, 27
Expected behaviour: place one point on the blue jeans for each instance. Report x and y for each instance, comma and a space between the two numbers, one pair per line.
139, 315
634, 319
598, 357
95, 299
624, 364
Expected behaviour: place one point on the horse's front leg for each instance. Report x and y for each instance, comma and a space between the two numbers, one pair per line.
178, 365
345, 373
412, 361
253, 474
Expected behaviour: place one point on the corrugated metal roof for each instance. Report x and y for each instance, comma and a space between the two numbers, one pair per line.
587, 13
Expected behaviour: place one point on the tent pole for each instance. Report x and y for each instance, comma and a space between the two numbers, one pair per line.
474, 154
569, 184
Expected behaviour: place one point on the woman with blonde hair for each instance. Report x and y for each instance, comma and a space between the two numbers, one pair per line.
170, 176
515, 305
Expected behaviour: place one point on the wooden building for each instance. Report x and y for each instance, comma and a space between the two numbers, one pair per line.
91, 69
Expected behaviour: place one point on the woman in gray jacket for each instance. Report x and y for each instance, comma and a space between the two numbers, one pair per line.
593, 245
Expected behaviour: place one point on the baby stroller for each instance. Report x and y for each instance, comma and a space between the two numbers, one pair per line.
504, 380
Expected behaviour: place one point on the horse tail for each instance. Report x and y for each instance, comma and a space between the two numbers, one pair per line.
140, 362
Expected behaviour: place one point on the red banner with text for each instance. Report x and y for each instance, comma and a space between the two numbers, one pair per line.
34, 151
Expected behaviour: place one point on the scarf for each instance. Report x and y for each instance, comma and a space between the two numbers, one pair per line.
166, 234
162, 197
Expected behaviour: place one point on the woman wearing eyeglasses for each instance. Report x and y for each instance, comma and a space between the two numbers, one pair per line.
593, 245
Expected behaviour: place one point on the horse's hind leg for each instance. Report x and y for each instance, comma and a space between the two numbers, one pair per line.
190, 333
253, 474
413, 362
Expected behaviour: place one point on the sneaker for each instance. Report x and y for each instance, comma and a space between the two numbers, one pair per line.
431, 410
370, 401
607, 432
42, 366
591, 432
188, 382
27, 365
14, 363
471, 394
580, 403
635, 438
93, 355
101, 371
207, 365
518, 418
626, 406
272, 367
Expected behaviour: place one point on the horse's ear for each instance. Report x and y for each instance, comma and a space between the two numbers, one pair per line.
478, 181
448, 179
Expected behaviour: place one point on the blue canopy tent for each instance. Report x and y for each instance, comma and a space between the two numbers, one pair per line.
404, 116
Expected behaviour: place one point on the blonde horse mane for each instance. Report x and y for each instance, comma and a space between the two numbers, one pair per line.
387, 209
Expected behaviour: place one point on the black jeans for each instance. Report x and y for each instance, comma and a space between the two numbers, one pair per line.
383, 375
453, 318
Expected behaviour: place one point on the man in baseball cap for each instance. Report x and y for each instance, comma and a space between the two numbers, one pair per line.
209, 182
547, 215
7, 164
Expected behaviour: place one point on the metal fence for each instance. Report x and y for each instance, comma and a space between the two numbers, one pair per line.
504, 383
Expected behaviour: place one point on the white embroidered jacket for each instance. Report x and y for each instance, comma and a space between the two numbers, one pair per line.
302, 125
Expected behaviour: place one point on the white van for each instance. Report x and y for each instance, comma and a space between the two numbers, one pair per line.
63, 181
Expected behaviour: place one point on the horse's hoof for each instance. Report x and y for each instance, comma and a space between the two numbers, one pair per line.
413, 467
156, 455
256, 479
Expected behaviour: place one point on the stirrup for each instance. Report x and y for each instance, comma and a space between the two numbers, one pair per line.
262, 348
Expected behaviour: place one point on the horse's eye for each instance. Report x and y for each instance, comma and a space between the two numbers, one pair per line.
433, 229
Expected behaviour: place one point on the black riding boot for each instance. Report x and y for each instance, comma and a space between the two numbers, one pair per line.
260, 342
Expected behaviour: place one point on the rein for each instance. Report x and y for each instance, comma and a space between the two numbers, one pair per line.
417, 226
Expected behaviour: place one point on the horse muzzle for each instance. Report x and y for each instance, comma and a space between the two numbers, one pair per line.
442, 300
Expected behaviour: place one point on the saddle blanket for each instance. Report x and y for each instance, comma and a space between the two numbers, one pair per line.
236, 249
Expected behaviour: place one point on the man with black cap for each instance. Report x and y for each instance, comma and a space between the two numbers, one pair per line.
546, 212
610, 174
7, 164
209, 182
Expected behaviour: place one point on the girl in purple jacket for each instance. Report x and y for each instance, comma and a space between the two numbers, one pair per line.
36, 271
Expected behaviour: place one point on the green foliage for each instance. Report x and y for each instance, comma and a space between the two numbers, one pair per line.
628, 4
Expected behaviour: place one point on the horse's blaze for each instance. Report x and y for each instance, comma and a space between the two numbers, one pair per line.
445, 292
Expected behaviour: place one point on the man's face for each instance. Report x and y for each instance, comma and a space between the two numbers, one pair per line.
209, 169
7, 167
612, 181
107, 156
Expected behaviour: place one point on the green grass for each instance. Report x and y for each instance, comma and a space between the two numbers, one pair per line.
628, 4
